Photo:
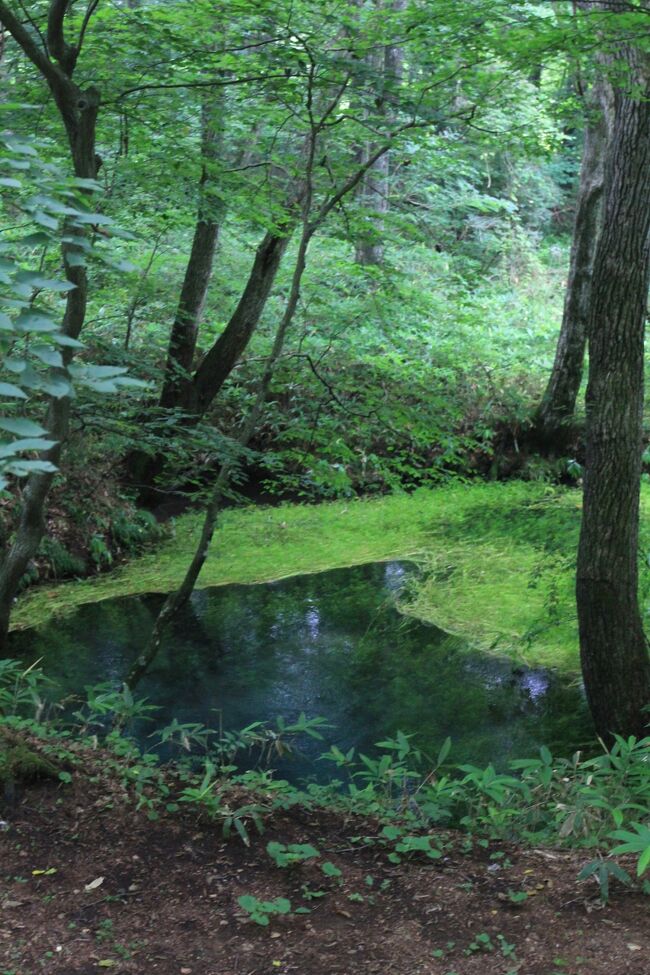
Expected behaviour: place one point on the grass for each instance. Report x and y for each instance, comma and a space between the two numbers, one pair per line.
497, 560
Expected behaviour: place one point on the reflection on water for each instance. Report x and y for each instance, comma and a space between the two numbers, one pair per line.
330, 644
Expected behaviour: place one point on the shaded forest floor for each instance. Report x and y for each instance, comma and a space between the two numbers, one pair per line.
168, 900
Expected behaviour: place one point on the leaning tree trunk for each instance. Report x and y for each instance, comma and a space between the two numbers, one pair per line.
551, 424
613, 647
185, 330
194, 394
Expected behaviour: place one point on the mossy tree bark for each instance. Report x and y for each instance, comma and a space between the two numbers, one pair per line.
613, 646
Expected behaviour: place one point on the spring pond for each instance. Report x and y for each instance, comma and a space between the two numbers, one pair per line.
331, 644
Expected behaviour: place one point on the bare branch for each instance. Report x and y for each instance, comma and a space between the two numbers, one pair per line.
92, 7
215, 83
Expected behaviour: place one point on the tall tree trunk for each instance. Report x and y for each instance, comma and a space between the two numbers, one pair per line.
185, 330
388, 67
613, 647
552, 422
78, 109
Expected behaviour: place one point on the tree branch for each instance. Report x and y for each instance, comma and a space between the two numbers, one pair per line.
92, 7
66, 54
216, 83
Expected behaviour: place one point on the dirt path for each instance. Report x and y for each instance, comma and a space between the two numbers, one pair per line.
168, 900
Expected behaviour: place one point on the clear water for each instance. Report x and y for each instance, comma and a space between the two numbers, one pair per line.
331, 645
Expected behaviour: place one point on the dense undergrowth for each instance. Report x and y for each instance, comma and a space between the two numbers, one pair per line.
418, 802
496, 560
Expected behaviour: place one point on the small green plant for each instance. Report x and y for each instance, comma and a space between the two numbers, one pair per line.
506, 947
480, 942
636, 840
331, 870
262, 911
517, 896
291, 855
603, 871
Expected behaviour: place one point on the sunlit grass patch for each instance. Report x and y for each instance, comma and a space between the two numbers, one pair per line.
497, 560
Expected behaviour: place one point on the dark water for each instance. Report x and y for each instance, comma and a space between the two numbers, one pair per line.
331, 645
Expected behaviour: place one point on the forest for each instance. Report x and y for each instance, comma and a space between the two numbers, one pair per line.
324, 505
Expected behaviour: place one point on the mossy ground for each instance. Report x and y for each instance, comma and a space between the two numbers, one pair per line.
498, 560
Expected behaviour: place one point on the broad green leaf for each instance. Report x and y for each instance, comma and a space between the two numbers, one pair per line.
22, 427
8, 389
48, 355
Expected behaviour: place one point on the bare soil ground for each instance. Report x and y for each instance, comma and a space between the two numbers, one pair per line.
167, 903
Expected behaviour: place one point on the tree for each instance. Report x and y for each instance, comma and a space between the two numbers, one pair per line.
194, 292
551, 422
78, 110
613, 646
386, 65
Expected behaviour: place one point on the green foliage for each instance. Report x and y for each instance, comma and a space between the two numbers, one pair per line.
596, 803
262, 911
61, 561
133, 532
603, 871
34, 348
291, 855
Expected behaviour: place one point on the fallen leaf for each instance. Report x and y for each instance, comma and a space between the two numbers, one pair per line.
94, 884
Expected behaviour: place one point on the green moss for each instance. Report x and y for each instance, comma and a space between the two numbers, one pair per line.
18, 763
498, 560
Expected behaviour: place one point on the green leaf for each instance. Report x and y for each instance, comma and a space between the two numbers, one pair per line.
444, 751
33, 279
67, 341
8, 389
644, 862
26, 443
15, 365
22, 467
22, 427
330, 870
56, 387
48, 355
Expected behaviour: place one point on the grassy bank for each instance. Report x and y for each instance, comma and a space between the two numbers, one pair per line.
497, 560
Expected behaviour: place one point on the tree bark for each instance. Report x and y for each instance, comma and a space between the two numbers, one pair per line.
185, 330
551, 424
613, 647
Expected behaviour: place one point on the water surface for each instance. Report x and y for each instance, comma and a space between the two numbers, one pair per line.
331, 644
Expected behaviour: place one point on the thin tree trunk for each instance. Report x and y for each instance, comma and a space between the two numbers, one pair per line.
175, 601
211, 209
551, 424
135, 301
613, 647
